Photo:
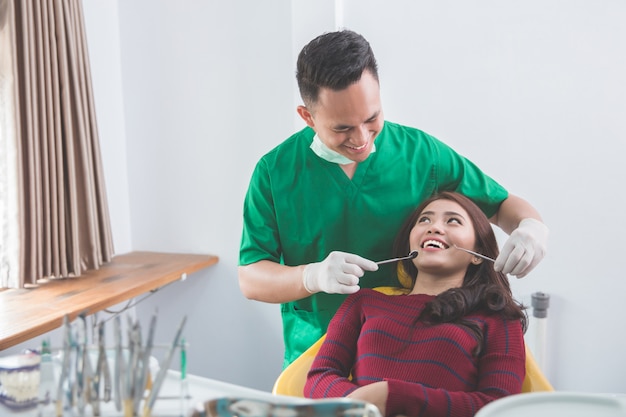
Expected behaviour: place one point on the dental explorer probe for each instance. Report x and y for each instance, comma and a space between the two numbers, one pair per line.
475, 254
156, 386
411, 255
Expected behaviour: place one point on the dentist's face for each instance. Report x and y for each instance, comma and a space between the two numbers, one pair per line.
348, 121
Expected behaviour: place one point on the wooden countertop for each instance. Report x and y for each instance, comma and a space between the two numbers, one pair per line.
27, 313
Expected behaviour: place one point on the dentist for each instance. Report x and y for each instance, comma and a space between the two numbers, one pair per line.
325, 204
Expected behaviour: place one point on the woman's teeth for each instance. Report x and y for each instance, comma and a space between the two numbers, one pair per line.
435, 244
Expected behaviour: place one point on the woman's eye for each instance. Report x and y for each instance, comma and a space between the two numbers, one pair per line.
423, 220
454, 220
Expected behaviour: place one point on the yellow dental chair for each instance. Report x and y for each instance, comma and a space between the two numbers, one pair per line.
292, 379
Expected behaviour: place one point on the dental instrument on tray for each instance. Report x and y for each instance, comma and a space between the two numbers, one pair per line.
77, 374
118, 386
134, 341
184, 383
84, 394
475, 253
411, 255
103, 373
253, 407
145, 362
65, 366
93, 385
164, 366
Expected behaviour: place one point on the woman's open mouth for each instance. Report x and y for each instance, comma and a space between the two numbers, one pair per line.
435, 244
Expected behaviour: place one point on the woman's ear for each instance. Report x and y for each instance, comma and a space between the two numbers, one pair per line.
476, 260
306, 115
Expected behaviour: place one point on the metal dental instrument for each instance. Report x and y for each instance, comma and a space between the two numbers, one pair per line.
140, 386
103, 374
411, 255
83, 378
65, 366
137, 394
156, 386
93, 386
475, 253
118, 386
134, 340
184, 383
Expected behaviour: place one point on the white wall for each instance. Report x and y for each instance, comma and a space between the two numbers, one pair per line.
103, 35
533, 92
204, 86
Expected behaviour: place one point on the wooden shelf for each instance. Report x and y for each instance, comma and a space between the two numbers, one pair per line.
27, 313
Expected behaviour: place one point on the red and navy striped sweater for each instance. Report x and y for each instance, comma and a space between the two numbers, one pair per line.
430, 369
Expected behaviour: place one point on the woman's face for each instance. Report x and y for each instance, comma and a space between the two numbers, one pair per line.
441, 225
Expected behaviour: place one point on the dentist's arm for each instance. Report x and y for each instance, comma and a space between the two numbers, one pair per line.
528, 237
271, 282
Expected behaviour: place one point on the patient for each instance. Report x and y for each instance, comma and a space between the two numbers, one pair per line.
449, 346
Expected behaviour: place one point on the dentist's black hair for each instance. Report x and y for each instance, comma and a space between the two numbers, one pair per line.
333, 60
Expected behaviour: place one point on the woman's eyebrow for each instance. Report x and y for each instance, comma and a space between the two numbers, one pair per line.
454, 213
447, 213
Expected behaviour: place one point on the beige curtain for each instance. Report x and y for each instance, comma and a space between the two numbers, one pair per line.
62, 215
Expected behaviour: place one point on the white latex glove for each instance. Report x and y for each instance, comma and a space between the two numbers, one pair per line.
524, 249
339, 273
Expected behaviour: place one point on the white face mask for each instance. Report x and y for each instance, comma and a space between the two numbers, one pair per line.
329, 155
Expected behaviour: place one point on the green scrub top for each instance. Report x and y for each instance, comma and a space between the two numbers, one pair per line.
299, 208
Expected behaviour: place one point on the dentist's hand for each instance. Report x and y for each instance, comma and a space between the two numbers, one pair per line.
524, 249
339, 273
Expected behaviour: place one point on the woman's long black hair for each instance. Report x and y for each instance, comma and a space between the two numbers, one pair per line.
483, 288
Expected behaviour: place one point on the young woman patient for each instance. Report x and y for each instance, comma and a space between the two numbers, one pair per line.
450, 345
